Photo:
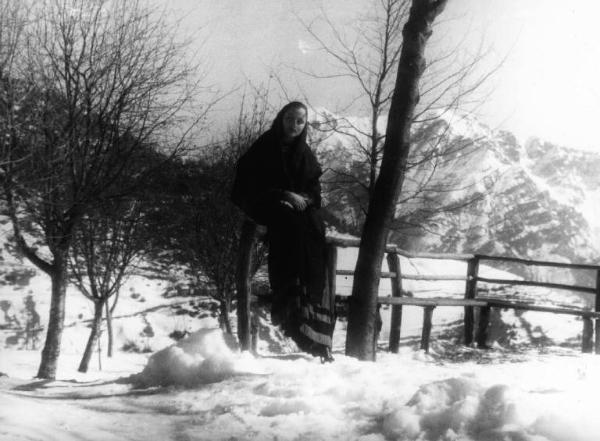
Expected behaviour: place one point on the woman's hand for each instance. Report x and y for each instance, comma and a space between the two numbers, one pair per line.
298, 202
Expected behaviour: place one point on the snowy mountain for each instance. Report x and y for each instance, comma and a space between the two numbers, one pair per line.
535, 200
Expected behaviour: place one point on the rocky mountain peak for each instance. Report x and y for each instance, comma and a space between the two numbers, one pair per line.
538, 200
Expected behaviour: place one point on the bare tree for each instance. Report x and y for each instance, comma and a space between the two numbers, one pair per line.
13, 91
369, 58
367, 54
107, 240
360, 339
198, 223
108, 79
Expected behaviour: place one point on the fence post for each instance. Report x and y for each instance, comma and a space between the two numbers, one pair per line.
587, 335
597, 309
378, 326
427, 319
393, 260
331, 273
482, 328
254, 334
243, 285
470, 293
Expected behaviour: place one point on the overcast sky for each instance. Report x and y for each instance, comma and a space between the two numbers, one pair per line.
547, 86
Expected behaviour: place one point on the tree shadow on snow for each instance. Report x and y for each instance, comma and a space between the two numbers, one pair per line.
75, 390
285, 357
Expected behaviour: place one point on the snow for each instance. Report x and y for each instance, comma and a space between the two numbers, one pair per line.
202, 357
216, 393
203, 387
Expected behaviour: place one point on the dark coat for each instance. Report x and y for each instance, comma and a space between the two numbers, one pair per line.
296, 239
264, 173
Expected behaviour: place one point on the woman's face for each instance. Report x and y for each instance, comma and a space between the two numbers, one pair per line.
294, 121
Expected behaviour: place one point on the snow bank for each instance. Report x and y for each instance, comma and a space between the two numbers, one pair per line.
460, 409
396, 398
410, 396
453, 408
200, 358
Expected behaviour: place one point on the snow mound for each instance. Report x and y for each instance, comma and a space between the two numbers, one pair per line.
200, 358
461, 409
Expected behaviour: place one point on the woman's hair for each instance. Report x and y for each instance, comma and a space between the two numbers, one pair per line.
277, 125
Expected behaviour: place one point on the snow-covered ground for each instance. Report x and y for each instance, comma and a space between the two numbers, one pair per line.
203, 388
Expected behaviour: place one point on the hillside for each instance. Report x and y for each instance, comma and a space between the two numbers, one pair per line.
200, 389
535, 200
153, 312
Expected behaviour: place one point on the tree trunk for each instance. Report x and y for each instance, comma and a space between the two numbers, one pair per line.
243, 285
51, 351
363, 305
109, 329
93, 338
224, 308
114, 305
374, 155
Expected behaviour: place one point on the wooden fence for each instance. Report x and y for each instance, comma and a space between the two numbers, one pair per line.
397, 298
471, 300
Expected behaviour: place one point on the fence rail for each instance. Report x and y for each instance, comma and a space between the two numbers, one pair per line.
591, 318
471, 300
540, 284
539, 262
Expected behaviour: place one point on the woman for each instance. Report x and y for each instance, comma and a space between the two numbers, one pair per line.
277, 185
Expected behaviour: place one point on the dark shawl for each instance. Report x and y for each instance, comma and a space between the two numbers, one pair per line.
296, 239
264, 174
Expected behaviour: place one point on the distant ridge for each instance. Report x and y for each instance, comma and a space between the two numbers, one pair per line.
536, 199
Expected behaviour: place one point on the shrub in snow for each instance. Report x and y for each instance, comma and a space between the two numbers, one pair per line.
178, 335
136, 347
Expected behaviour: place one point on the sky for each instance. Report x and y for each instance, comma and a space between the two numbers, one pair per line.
547, 85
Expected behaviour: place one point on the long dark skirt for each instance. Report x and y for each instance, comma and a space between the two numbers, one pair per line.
302, 303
